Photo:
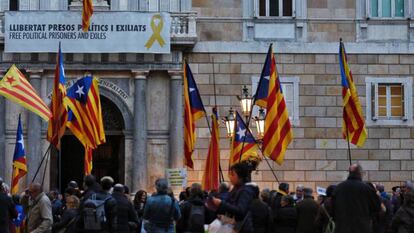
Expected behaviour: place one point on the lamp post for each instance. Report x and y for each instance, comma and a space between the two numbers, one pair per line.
260, 119
230, 121
246, 102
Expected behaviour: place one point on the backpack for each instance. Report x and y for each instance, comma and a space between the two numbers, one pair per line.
196, 218
330, 227
94, 213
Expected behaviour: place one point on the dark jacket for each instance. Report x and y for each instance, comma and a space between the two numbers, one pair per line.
67, 220
354, 204
185, 208
159, 213
285, 220
403, 221
238, 206
382, 220
325, 211
7, 212
260, 213
122, 214
307, 212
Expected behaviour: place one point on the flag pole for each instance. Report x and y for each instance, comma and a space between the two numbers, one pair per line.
44, 171
41, 162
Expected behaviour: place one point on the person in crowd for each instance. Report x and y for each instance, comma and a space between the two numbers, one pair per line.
140, 200
56, 205
260, 212
276, 197
182, 197
403, 221
18, 221
240, 199
265, 196
7, 209
38, 209
325, 210
193, 212
161, 210
286, 217
384, 217
223, 191
396, 192
69, 216
307, 212
124, 219
298, 196
74, 185
90, 186
354, 203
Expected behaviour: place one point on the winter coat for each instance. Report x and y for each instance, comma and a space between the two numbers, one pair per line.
39, 214
285, 220
122, 214
7, 212
238, 206
307, 212
159, 214
185, 207
325, 211
68, 221
403, 221
261, 218
354, 204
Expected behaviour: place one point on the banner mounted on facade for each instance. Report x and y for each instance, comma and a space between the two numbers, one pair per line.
177, 177
109, 32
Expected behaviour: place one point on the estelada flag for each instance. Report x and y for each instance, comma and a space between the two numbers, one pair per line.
193, 110
87, 11
57, 124
352, 121
88, 163
243, 145
15, 87
19, 160
278, 131
211, 171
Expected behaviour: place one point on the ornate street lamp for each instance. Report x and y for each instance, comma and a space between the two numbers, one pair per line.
260, 119
246, 102
230, 120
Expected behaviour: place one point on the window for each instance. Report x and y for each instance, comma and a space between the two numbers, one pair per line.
386, 8
14, 5
290, 87
276, 8
389, 101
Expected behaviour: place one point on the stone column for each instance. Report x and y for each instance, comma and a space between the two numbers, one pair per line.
2, 135
176, 120
139, 159
34, 126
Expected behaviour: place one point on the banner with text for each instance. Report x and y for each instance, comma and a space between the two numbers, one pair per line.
109, 32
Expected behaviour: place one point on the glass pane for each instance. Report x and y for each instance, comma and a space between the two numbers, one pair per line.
382, 89
288, 91
374, 8
262, 8
399, 8
274, 7
382, 101
386, 8
396, 102
396, 90
382, 111
287, 7
289, 105
397, 112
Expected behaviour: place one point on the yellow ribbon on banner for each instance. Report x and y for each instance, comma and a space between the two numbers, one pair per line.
156, 29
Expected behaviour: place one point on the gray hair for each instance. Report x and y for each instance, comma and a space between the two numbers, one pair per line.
119, 188
161, 185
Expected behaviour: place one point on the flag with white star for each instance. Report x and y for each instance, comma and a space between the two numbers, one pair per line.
244, 146
193, 110
19, 159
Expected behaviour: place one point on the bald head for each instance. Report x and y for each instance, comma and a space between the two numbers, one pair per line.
355, 170
35, 189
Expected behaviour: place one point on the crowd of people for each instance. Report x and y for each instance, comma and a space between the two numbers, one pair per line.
352, 206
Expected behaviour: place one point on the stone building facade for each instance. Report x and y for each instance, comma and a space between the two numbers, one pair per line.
225, 43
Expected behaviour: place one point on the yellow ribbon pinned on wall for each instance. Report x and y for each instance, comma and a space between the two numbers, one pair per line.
156, 29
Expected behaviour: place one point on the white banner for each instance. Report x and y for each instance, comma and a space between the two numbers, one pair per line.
177, 177
109, 32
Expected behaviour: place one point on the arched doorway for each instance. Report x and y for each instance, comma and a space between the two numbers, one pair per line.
108, 158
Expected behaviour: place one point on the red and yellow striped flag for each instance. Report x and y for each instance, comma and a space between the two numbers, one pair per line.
278, 131
87, 11
353, 121
193, 110
57, 124
15, 87
211, 173
88, 163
